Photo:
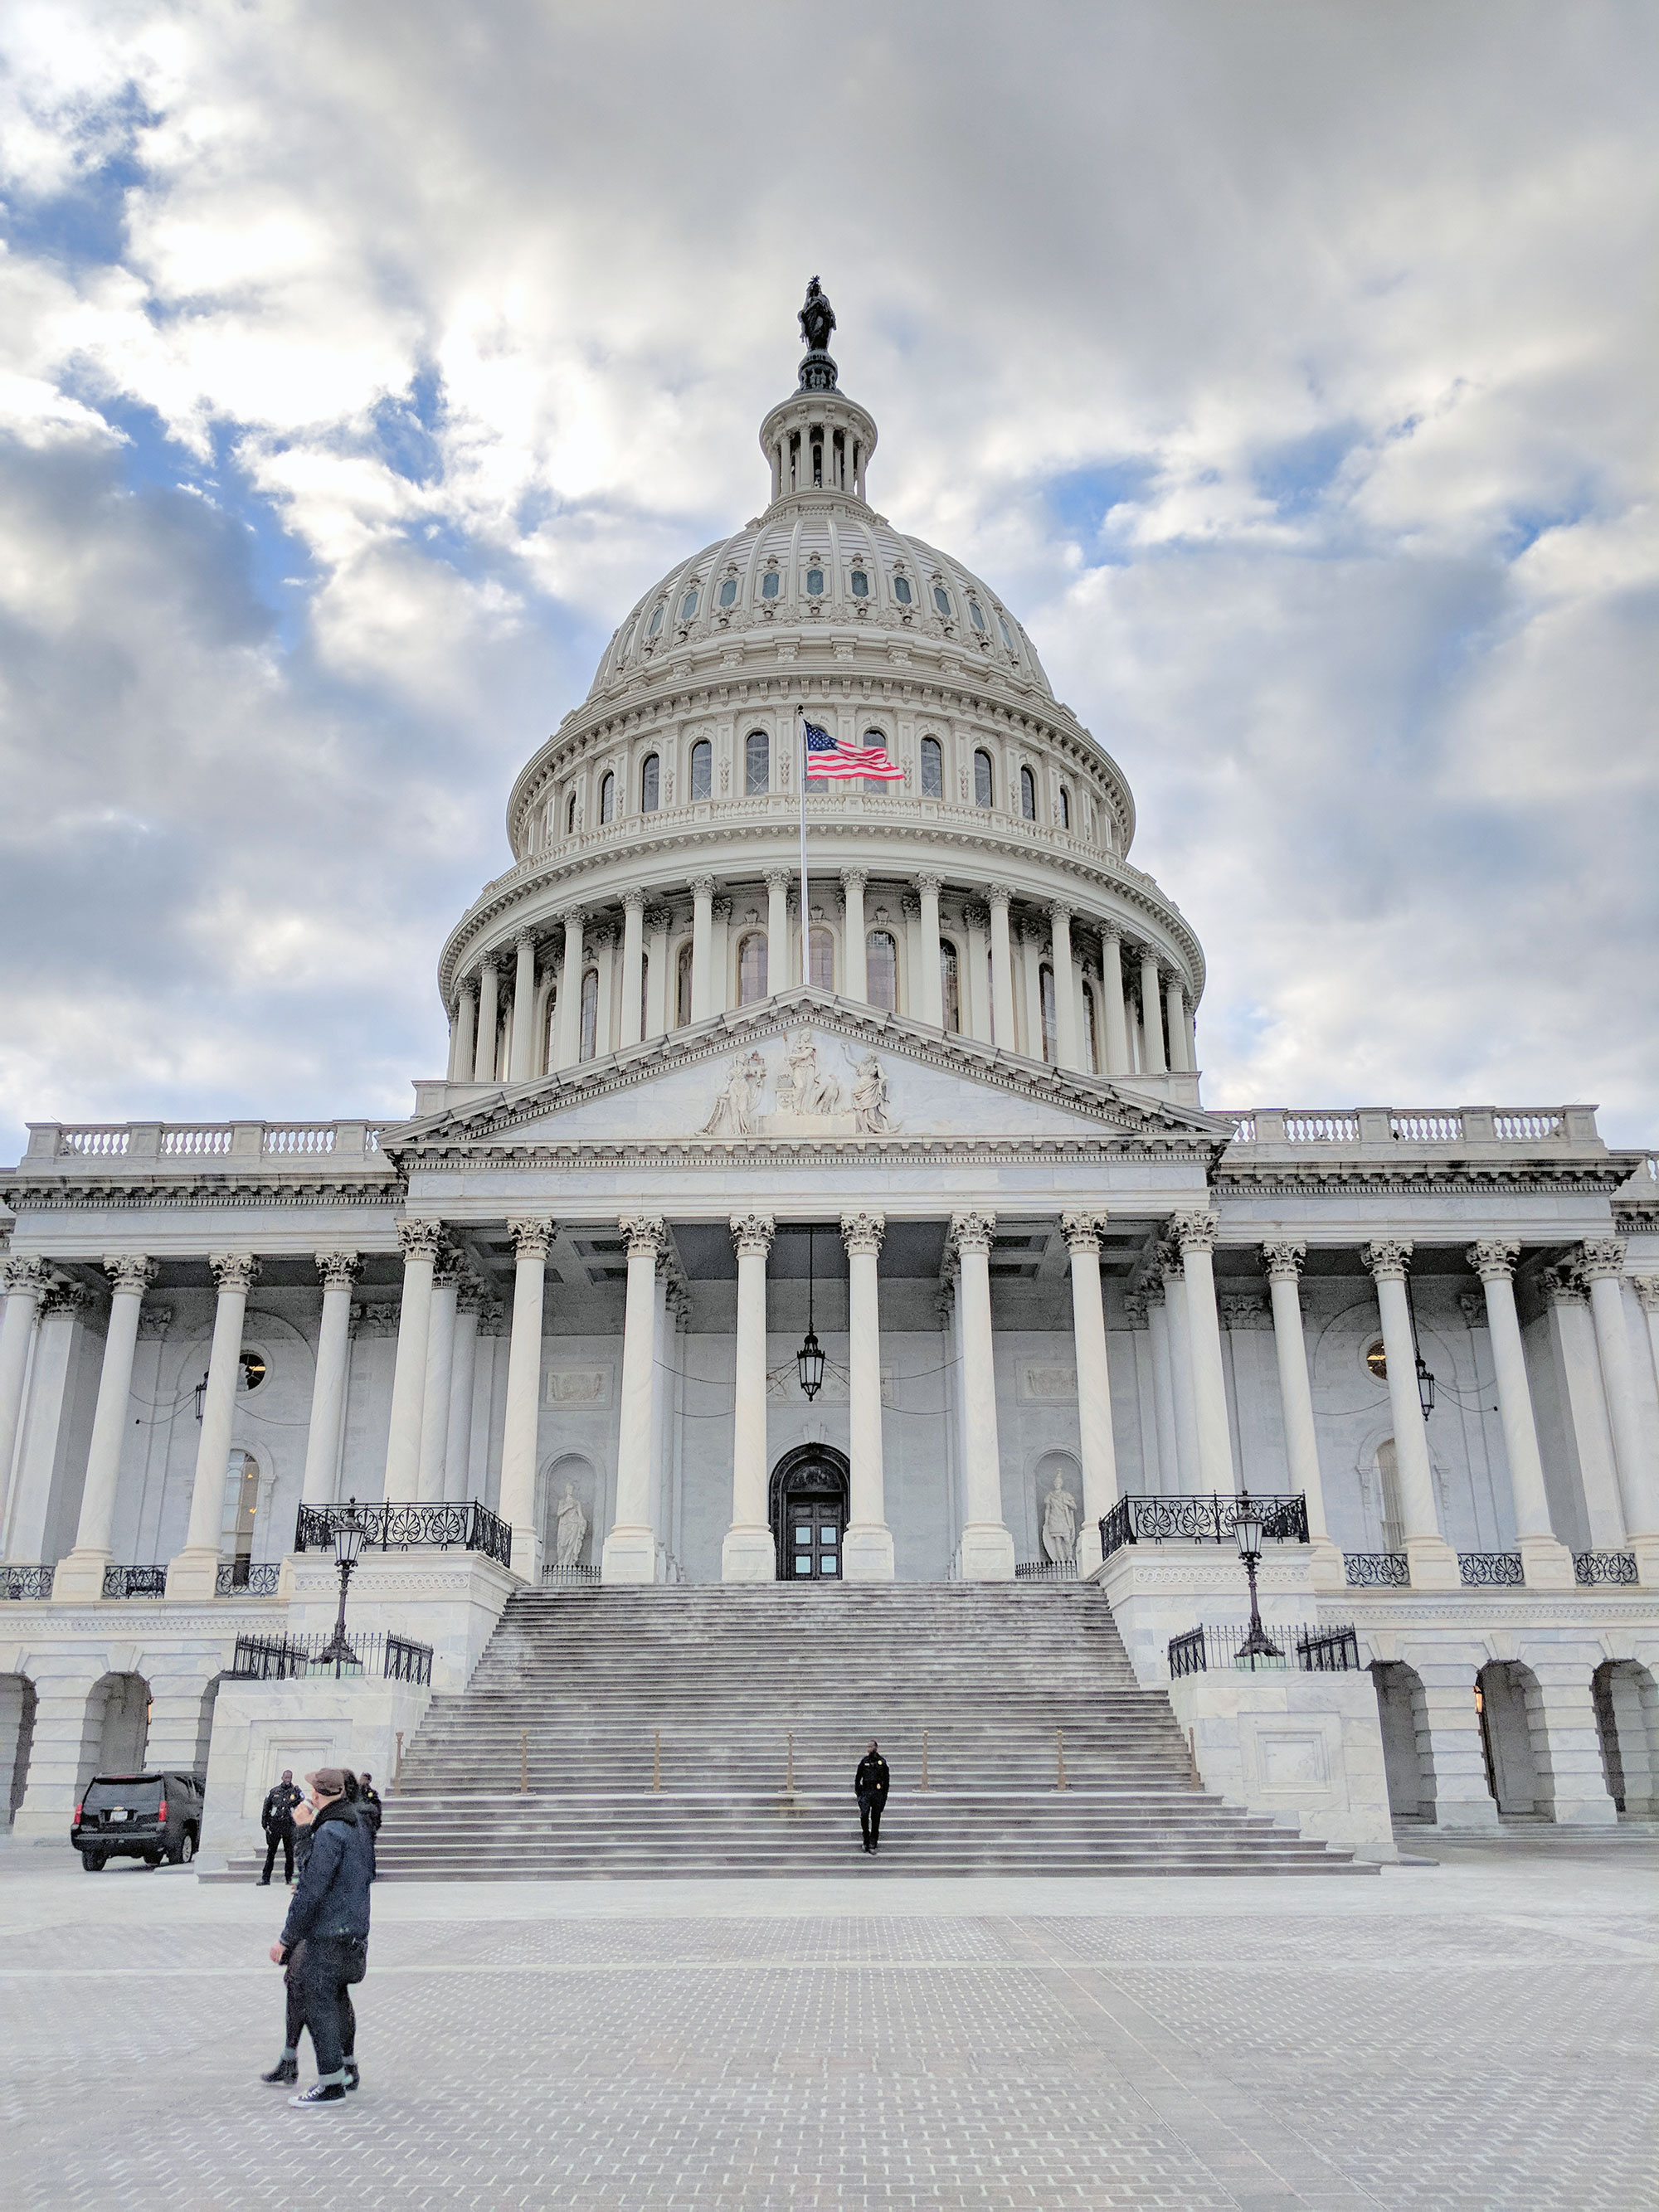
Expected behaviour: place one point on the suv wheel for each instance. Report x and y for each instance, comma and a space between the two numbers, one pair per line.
92, 1861
186, 1851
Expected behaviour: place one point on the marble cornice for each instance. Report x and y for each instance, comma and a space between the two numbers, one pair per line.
1398, 1177
84, 1190
1479, 1612
754, 1152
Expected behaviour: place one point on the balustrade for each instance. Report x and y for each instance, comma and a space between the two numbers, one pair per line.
461, 1525
1304, 1650
1209, 1520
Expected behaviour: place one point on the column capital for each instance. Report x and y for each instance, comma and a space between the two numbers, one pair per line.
703, 887
1387, 1258
854, 879
752, 1234
1601, 1259
1135, 1304
658, 920
65, 1297
1646, 1288
1194, 1232
234, 1271
1172, 1261
448, 1267
1060, 913
779, 879
1082, 1231
1493, 1259
22, 1274
530, 1238
491, 960
1561, 1290
999, 895
1110, 934
131, 1271
571, 917
929, 886
527, 936
972, 1230
633, 901
646, 1235
420, 1240
722, 909
338, 1270
472, 1297
862, 1233
155, 1321
1284, 1258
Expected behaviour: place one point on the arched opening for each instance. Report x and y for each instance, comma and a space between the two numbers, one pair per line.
550, 1028
1058, 1517
568, 1515
823, 960
683, 987
751, 968
590, 1041
1065, 808
1626, 1703
1390, 1525
17, 1710
950, 986
650, 782
607, 798
757, 763
984, 782
874, 741
204, 1724
1506, 1696
808, 1506
1028, 794
881, 970
1403, 1714
702, 769
645, 995
570, 816
1050, 1019
116, 1730
1090, 1031
933, 768
240, 1515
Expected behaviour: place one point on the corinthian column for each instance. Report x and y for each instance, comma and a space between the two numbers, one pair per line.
931, 1003
1067, 1054
867, 1552
194, 1572
779, 974
987, 1548
1098, 1449
523, 1390
630, 1549
1175, 1004
1152, 1012
340, 1271
1546, 1561
1601, 1268
429, 1482
81, 1575
1433, 1562
463, 1033
748, 1554
521, 1065
421, 1241
633, 968
998, 896
852, 881
568, 1010
25, 1282
1195, 1235
484, 1061
1283, 1262
1116, 1043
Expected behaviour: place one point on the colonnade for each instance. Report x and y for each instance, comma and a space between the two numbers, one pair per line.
1079, 994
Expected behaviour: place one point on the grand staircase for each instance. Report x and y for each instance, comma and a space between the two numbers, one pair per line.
703, 1731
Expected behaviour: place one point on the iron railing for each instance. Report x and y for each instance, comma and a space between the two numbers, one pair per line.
135, 1581
1490, 1570
1305, 1650
461, 1525
1590, 1568
1045, 1571
255, 1578
575, 1574
1203, 1520
26, 1582
286, 1658
1377, 1570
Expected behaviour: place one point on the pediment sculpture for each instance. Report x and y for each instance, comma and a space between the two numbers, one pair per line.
809, 1099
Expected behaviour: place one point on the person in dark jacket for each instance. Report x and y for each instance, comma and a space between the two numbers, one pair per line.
287, 2069
276, 1819
329, 1915
370, 1806
870, 1787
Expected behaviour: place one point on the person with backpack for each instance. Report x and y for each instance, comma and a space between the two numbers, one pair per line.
328, 1915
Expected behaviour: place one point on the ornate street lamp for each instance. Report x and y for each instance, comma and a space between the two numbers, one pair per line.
348, 1534
1247, 1532
1425, 1376
810, 1359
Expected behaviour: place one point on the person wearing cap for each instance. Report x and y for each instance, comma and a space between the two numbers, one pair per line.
328, 1915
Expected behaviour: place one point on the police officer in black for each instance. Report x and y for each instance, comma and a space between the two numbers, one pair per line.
870, 1787
370, 1806
276, 1819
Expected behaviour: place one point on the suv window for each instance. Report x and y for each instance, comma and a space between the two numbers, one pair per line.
139, 1793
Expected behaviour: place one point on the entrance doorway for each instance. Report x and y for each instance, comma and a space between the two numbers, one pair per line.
809, 1501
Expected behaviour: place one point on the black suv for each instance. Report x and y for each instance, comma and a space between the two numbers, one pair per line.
138, 1816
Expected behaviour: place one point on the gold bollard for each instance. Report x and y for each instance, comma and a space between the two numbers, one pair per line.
1060, 1782
524, 1763
656, 1759
924, 1758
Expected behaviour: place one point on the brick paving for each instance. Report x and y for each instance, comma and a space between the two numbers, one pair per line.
1478, 2038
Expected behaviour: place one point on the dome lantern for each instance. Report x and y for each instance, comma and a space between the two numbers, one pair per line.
817, 439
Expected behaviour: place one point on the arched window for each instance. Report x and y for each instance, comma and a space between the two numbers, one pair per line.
683, 987
702, 769
881, 970
607, 798
590, 1043
950, 986
650, 782
874, 740
902, 590
689, 605
729, 592
933, 768
1046, 994
817, 460
550, 1028
990, 992
1065, 808
823, 960
1028, 794
757, 763
570, 816
751, 969
984, 788
645, 996
1091, 1029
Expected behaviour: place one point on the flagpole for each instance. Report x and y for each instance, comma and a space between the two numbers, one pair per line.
806, 919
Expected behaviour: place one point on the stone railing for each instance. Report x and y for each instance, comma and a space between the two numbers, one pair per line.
1427, 1124
137, 1144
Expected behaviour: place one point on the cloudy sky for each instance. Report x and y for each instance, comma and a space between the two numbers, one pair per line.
1288, 368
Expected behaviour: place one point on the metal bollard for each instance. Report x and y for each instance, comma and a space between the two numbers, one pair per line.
524, 1763
656, 1759
1060, 1782
789, 1765
397, 1768
924, 1758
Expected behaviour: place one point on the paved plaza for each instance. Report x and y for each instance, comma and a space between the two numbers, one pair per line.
1476, 2034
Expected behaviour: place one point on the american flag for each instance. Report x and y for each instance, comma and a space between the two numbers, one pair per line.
827, 755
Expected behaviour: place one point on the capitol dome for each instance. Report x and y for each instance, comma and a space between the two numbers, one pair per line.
655, 836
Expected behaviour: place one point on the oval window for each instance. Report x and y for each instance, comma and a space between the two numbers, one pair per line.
975, 615
942, 600
729, 592
769, 584
861, 585
933, 768
902, 590
702, 769
656, 620
689, 605
814, 582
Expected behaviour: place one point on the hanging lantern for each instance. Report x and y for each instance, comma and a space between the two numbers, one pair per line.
809, 1361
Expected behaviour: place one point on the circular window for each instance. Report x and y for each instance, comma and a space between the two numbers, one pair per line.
814, 582
1376, 1360
902, 590
861, 585
729, 592
254, 1369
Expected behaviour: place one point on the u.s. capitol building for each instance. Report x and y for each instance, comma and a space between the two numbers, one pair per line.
1051, 1289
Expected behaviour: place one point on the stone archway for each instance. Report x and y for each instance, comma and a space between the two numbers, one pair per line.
808, 1503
